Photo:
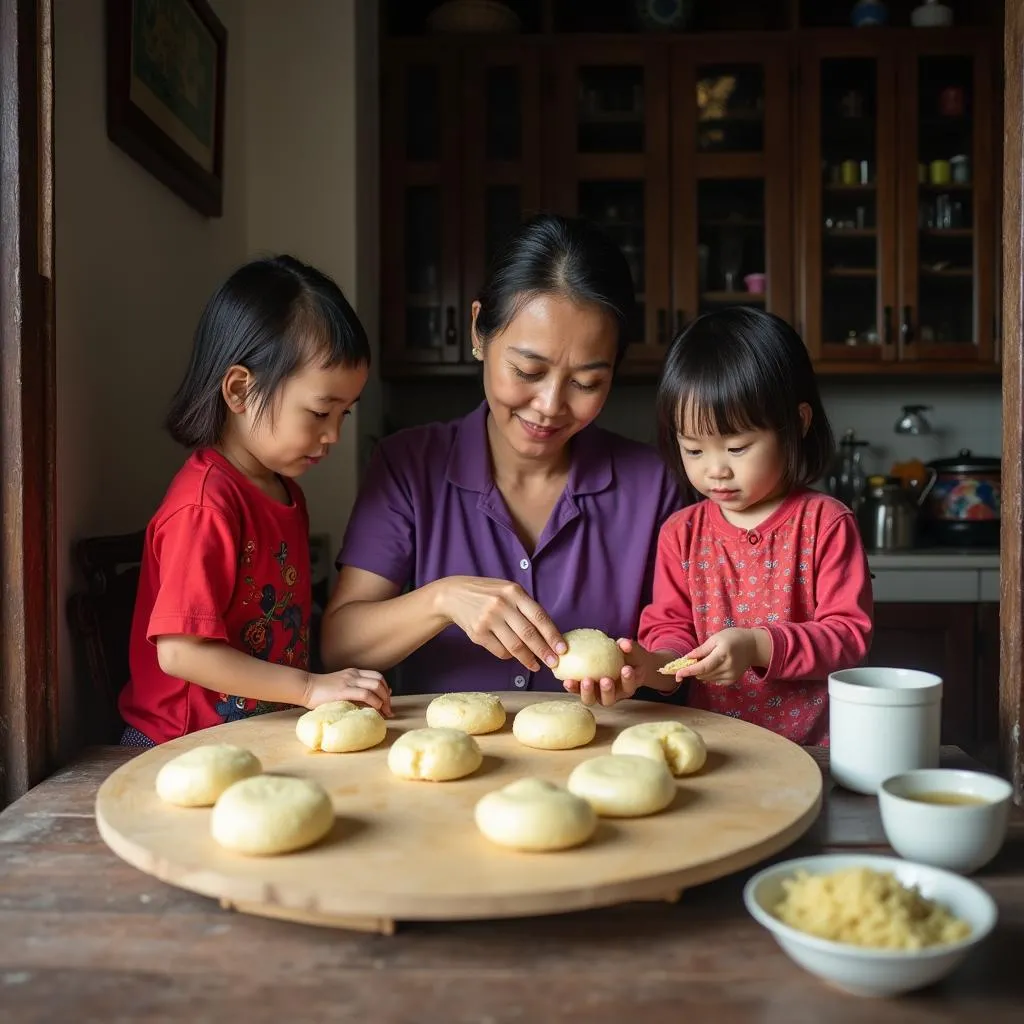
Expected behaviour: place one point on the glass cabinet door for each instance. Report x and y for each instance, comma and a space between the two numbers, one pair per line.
611, 166
501, 174
848, 207
420, 286
731, 184
947, 272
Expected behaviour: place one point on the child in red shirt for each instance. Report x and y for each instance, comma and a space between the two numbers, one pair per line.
764, 583
221, 623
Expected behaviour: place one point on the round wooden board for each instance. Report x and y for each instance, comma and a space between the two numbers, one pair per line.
405, 850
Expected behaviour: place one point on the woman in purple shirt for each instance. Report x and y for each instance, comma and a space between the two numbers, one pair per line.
474, 544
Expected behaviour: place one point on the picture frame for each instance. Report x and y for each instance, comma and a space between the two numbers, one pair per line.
166, 70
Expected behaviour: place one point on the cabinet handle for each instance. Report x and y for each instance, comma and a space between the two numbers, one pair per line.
451, 335
680, 321
906, 328
887, 325
662, 328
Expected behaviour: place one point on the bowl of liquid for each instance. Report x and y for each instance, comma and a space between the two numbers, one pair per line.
950, 819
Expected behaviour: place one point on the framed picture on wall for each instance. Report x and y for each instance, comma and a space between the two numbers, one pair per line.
166, 62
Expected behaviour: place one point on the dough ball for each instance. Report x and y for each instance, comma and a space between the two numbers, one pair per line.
671, 743
340, 727
674, 666
623, 785
475, 713
591, 655
436, 755
197, 777
270, 814
531, 814
554, 725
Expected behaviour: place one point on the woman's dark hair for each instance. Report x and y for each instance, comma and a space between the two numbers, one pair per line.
271, 316
742, 369
551, 255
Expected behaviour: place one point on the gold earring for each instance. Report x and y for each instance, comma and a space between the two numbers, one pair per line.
478, 353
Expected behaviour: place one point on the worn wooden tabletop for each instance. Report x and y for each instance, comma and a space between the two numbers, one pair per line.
84, 937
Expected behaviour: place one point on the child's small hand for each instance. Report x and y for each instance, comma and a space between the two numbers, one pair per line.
356, 684
640, 668
726, 655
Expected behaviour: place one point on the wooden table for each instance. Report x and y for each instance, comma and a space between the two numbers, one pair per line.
84, 937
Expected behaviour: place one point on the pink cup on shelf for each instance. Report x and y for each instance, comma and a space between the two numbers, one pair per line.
755, 283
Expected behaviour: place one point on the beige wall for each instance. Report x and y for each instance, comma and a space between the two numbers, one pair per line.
301, 177
135, 264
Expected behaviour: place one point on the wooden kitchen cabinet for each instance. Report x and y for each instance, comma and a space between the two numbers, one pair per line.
460, 147
960, 643
806, 155
420, 241
681, 152
897, 198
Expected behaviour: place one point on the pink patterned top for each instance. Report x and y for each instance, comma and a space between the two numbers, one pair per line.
801, 574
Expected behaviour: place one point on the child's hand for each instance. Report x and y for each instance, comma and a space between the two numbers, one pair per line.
641, 667
725, 656
356, 684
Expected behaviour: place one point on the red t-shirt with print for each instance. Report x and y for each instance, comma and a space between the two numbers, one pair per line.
222, 560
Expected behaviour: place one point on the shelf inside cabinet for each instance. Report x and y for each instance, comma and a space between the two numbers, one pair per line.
852, 272
851, 232
726, 223
734, 298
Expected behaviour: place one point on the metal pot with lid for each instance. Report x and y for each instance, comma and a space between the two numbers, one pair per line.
963, 507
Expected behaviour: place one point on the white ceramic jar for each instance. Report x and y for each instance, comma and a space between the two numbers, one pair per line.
882, 722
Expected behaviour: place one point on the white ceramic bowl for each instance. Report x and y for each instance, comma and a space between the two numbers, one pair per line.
873, 972
956, 837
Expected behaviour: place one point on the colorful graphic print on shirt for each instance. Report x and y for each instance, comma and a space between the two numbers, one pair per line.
275, 618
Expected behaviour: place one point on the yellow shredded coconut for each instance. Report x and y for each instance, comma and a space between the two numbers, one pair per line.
867, 908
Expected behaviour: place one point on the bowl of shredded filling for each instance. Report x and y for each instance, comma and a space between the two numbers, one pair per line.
871, 926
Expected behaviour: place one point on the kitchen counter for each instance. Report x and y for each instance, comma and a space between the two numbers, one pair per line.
86, 937
936, 576
935, 558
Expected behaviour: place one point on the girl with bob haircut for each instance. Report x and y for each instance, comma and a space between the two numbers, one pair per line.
763, 584
221, 623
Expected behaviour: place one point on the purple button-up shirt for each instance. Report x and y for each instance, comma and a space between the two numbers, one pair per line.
429, 508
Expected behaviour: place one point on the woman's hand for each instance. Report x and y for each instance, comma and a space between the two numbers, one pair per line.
501, 617
641, 669
725, 656
355, 684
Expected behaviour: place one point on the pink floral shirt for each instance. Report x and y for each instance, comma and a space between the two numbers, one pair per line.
802, 575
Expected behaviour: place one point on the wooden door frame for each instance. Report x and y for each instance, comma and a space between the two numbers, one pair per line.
1011, 562
28, 591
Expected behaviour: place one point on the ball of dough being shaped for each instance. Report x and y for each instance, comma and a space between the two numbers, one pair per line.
591, 655
341, 727
271, 814
434, 755
197, 777
534, 815
623, 785
475, 713
554, 725
671, 743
